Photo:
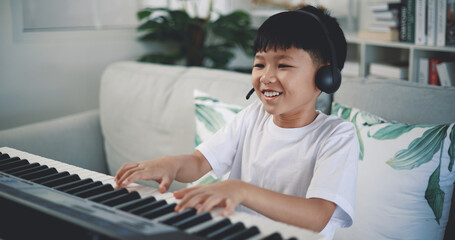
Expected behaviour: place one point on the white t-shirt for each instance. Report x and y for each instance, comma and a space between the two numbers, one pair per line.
315, 161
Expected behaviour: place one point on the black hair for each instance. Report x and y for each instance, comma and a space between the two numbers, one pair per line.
295, 29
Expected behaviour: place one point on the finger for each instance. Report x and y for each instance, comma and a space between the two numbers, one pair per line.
209, 204
229, 208
182, 192
134, 175
124, 168
190, 200
165, 184
126, 175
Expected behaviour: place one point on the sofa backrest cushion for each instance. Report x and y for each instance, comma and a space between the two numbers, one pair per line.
402, 101
147, 110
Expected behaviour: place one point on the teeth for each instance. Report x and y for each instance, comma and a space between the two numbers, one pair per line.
271, 94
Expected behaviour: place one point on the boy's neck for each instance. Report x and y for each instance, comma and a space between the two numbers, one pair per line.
295, 121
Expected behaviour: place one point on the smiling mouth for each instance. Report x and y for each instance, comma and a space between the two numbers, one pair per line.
271, 94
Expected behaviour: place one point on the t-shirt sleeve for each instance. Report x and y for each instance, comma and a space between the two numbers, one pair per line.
220, 148
335, 173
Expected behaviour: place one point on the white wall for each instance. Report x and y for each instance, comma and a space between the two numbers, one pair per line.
44, 75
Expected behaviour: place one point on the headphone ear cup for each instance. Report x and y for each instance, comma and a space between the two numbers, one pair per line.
327, 82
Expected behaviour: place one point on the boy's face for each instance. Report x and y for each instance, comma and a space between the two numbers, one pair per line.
284, 82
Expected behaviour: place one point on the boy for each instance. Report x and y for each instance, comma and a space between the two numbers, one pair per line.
288, 161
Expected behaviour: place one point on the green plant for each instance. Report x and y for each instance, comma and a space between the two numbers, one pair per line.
197, 41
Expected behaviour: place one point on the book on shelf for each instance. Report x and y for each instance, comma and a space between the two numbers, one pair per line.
391, 35
433, 78
450, 23
446, 73
398, 70
420, 22
403, 21
441, 18
410, 21
423, 76
431, 22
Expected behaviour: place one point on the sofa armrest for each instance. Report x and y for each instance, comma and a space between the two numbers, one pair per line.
74, 139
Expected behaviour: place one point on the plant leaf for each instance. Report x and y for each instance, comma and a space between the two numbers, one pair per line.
452, 147
392, 131
434, 195
421, 150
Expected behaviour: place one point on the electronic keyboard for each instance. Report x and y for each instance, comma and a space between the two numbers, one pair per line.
44, 198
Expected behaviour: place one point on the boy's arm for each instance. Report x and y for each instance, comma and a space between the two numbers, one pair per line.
313, 213
183, 168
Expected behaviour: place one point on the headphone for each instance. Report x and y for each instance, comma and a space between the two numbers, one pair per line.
328, 78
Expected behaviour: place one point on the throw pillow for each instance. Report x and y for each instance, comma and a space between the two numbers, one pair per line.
211, 115
405, 178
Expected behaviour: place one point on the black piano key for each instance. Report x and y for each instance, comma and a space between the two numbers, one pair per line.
71, 185
147, 207
37, 174
121, 199
60, 181
136, 203
83, 187
213, 227
36, 167
95, 191
226, 231
4, 155
179, 216
50, 177
20, 168
193, 221
273, 236
13, 164
292, 238
108, 195
9, 160
160, 211
244, 234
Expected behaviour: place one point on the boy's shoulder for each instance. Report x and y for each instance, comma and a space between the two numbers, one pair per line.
335, 125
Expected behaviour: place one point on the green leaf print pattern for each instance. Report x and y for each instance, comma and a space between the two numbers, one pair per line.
421, 150
433, 194
212, 119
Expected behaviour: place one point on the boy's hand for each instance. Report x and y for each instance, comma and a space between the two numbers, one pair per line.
163, 170
227, 194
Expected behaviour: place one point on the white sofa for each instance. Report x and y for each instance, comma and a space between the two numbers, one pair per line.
147, 111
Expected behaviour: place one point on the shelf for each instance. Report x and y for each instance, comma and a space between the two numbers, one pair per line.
367, 51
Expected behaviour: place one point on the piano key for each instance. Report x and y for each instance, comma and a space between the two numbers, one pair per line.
30, 170
13, 164
179, 216
160, 211
136, 203
4, 155
67, 186
61, 181
226, 231
273, 236
50, 177
9, 160
147, 207
121, 199
108, 195
95, 191
20, 168
83, 187
212, 227
193, 221
244, 234
37, 174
